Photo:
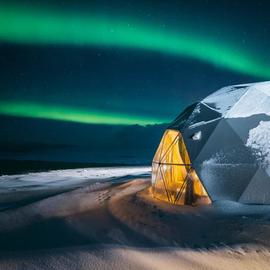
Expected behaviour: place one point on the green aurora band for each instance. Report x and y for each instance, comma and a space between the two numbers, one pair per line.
46, 27
43, 26
62, 113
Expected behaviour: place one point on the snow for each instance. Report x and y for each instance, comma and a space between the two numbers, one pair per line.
219, 158
212, 161
239, 101
255, 101
120, 232
202, 123
258, 140
197, 110
197, 136
223, 99
194, 114
108, 257
64, 178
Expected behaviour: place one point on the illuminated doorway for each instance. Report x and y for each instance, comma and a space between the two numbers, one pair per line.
173, 178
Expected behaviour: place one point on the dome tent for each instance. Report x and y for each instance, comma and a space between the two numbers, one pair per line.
217, 149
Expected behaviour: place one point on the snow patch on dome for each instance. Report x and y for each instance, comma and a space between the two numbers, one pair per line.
259, 141
255, 101
223, 99
238, 101
202, 123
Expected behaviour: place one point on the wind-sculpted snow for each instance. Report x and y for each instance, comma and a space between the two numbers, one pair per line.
259, 141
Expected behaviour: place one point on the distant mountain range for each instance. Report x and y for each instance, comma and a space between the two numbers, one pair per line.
66, 143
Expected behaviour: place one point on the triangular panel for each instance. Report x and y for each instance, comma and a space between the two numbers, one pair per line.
158, 184
223, 164
194, 147
173, 178
258, 189
243, 125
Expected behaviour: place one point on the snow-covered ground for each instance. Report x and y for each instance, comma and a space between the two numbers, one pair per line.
15, 189
121, 226
63, 178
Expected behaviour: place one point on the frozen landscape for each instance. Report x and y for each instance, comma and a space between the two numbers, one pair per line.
23, 188
135, 135
106, 218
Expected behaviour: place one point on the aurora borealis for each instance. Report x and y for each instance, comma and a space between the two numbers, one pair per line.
83, 75
37, 26
34, 110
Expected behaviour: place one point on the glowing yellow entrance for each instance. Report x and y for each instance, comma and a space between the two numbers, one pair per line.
173, 178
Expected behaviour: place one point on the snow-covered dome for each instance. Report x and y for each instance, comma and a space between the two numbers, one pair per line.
227, 137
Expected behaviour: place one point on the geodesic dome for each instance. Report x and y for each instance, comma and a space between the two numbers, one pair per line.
217, 149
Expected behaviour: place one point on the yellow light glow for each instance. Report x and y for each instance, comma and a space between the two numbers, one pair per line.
173, 178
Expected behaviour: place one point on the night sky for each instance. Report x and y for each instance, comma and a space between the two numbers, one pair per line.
83, 73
